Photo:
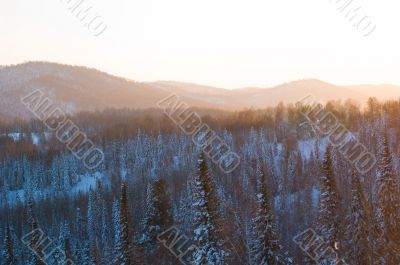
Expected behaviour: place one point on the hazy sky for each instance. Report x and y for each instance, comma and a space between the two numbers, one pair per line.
226, 43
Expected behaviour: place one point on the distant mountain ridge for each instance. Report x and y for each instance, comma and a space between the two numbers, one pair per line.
77, 88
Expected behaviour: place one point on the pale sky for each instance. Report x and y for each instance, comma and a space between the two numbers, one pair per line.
225, 43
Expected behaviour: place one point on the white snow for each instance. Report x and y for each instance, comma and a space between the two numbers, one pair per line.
35, 138
86, 183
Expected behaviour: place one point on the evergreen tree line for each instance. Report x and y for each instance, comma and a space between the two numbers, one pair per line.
287, 181
87, 240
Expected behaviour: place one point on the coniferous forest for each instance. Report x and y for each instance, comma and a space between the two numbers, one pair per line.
158, 198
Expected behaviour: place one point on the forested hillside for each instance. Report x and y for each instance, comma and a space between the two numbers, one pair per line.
155, 183
79, 88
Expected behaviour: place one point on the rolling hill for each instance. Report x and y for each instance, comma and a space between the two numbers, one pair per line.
77, 88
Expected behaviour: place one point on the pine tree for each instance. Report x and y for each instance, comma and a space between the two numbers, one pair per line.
357, 229
85, 253
208, 223
159, 218
388, 204
81, 252
92, 216
77, 256
35, 258
125, 248
264, 246
67, 243
105, 231
115, 220
80, 224
94, 253
328, 218
8, 248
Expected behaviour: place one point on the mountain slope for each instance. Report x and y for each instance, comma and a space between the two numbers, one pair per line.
294, 91
76, 88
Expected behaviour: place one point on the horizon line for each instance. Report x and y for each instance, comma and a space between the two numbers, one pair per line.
195, 83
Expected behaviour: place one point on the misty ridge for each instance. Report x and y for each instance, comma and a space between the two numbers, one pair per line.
77, 88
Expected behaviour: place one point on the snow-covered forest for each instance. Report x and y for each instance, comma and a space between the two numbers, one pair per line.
154, 178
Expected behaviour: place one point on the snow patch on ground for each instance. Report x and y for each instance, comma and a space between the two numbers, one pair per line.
85, 183
15, 136
35, 138
307, 147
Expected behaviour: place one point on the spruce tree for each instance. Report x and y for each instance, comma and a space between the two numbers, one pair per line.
80, 224
208, 232
94, 258
85, 253
66, 241
36, 251
328, 218
388, 204
358, 251
264, 246
91, 216
8, 248
125, 248
115, 221
159, 218
77, 255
